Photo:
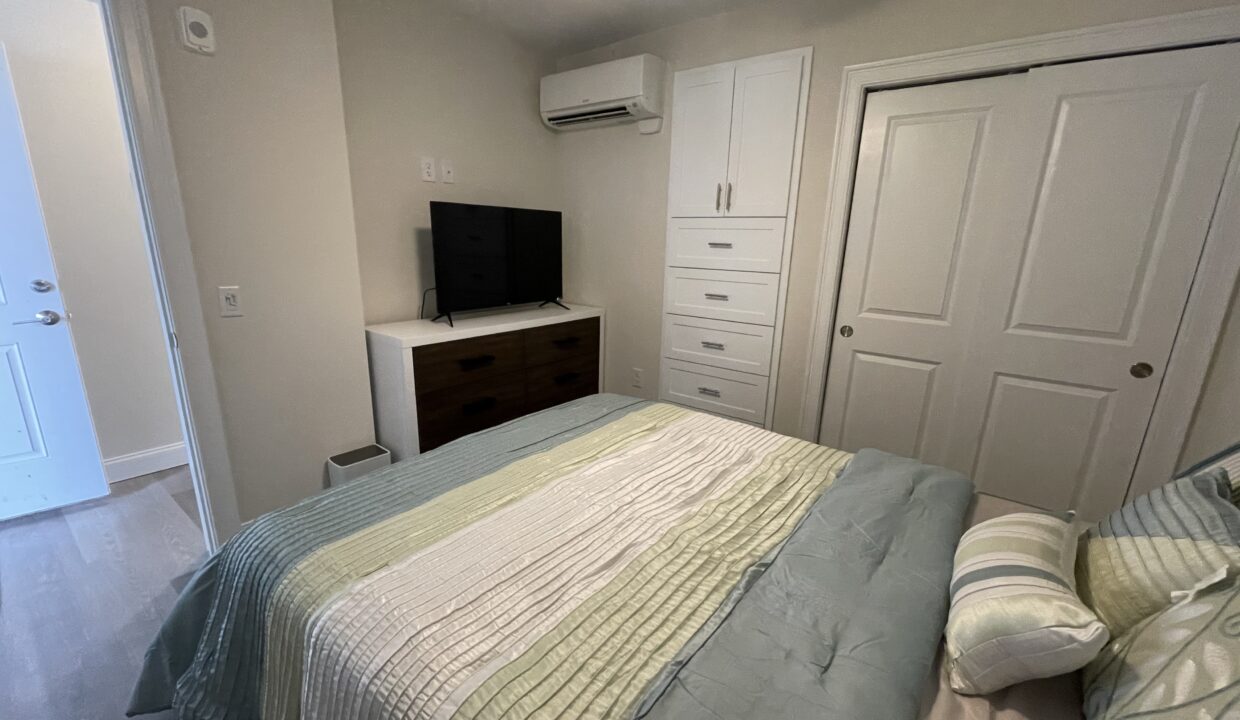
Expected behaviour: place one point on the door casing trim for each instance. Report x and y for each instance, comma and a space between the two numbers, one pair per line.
1217, 270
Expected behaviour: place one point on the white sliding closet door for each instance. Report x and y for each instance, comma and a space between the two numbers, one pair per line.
1063, 286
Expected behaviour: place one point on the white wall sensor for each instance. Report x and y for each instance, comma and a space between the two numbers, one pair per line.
197, 31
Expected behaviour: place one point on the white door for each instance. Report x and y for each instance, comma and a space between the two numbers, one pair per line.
701, 118
931, 159
1076, 270
49, 456
764, 129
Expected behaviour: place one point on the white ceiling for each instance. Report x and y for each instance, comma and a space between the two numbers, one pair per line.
569, 26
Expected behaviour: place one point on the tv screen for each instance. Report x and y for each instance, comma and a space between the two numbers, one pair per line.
490, 256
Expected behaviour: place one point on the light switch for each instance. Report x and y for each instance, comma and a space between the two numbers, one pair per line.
447, 171
230, 301
428, 169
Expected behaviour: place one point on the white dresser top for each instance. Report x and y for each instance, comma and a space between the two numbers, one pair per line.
415, 333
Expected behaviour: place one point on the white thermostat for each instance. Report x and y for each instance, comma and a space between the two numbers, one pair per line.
197, 31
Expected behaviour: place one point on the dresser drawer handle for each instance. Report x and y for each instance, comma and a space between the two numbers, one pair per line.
716, 296
566, 378
566, 342
475, 363
720, 245
712, 345
480, 405
709, 392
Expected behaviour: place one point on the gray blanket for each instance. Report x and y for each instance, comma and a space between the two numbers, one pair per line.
845, 621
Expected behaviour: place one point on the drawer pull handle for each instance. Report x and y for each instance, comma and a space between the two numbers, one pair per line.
566, 342
720, 245
566, 378
480, 405
709, 392
716, 296
712, 345
475, 363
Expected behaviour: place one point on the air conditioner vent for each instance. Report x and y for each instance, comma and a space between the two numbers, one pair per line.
607, 113
617, 91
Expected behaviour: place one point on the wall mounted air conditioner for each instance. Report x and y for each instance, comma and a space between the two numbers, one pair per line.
618, 91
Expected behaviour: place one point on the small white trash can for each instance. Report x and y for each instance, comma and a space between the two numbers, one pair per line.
355, 463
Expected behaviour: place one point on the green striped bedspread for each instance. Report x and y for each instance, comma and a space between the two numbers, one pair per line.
551, 567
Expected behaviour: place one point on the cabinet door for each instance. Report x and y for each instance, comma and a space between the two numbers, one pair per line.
765, 101
701, 115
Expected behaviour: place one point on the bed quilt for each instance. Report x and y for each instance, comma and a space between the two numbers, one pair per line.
585, 561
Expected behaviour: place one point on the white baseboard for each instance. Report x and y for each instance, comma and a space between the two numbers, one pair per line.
144, 462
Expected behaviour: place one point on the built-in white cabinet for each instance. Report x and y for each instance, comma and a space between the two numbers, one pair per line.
736, 147
737, 159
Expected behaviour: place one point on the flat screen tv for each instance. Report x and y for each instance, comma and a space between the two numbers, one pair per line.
489, 256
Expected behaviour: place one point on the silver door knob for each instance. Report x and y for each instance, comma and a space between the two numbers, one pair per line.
846, 330
43, 317
41, 286
1141, 370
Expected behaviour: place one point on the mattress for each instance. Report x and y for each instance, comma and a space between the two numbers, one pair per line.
608, 558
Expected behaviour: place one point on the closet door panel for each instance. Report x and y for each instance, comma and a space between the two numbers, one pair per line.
764, 122
701, 124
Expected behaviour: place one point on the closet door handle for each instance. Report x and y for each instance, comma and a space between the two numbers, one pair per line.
716, 296
718, 193
709, 392
727, 205
712, 345
719, 245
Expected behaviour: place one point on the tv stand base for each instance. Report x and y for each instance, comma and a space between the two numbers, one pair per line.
444, 315
553, 302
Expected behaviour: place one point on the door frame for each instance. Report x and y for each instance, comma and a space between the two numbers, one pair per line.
1217, 270
178, 295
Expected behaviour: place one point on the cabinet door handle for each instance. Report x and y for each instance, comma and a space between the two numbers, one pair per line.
473, 407
566, 342
710, 345
709, 392
566, 378
728, 204
475, 363
716, 296
718, 192
720, 245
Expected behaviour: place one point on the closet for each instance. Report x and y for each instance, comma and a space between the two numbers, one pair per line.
736, 142
1019, 254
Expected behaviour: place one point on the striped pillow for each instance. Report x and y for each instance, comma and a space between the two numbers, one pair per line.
1015, 615
1229, 460
1167, 541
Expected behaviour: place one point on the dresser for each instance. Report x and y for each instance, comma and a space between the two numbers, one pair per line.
433, 383
737, 130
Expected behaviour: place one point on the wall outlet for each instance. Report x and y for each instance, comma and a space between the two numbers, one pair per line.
230, 301
428, 169
447, 171
638, 380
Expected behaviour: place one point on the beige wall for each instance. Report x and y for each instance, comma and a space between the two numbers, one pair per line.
1217, 423
421, 80
616, 180
63, 77
258, 135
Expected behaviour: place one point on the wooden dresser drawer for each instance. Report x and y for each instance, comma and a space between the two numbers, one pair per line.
734, 346
549, 385
449, 413
552, 343
723, 392
466, 361
721, 294
751, 244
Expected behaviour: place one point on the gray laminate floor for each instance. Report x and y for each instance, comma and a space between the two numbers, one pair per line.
82, 592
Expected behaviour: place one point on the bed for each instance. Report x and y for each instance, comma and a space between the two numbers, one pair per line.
607, 558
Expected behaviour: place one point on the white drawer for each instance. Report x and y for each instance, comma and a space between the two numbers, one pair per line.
723, 392
746, 297
751, 244
734, 346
